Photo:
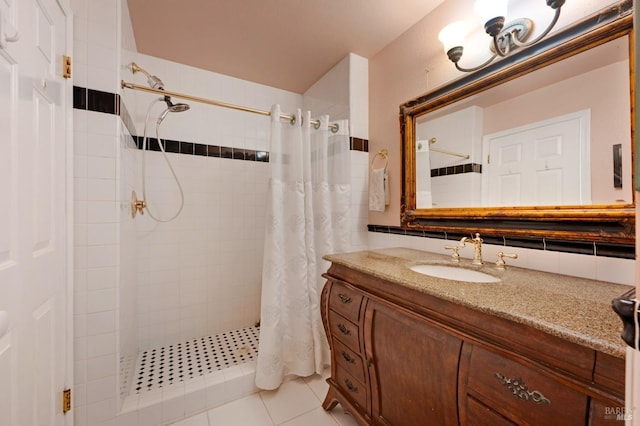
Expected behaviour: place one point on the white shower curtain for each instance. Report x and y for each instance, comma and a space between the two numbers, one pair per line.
307, 217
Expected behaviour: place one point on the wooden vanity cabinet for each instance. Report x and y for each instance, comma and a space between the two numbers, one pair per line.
413, 368
349, 384
401, 357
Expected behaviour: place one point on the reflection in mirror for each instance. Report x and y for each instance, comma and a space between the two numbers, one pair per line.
557, 136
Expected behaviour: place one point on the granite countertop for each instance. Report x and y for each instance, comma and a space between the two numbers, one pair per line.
575, 309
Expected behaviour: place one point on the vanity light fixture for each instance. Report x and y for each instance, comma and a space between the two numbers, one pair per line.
506, 37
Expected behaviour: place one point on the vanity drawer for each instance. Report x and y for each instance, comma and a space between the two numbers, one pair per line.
351, 387
480, 415
344, 330
348, 360
345, 300
523, 394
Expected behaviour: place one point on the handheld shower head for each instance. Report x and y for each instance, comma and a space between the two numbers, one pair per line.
179, 107
171, 107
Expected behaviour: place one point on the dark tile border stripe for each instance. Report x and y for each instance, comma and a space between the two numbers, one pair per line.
622, 251
457, 170
111, 103
191, 148
358, 144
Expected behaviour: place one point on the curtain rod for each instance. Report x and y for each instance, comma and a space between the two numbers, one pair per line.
431, 141
442, 151
125, 85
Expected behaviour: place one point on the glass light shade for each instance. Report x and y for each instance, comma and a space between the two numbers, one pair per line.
489, 9
452, 35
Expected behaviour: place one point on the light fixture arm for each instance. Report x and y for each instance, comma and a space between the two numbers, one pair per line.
479, 67
506, 38
552, 24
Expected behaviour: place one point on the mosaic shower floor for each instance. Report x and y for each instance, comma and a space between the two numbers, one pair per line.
166, 365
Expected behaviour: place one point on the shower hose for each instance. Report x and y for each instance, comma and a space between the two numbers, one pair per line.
166, 158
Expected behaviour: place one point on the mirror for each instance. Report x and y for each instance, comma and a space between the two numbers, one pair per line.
539, 145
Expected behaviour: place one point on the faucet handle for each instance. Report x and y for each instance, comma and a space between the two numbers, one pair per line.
455, 256
500, 262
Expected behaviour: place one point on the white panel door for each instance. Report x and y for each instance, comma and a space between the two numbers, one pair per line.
34, 222
544, 163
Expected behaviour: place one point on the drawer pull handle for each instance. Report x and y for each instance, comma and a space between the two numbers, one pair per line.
348, 358
345, 299
519, 390
350, 386
344, 330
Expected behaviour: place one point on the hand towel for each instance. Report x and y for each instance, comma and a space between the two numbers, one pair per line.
376, 190
387, 194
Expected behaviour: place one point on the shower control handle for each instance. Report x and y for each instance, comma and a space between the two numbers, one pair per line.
137, 206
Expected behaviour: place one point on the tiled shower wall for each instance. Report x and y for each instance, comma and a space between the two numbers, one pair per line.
97, 242
200, 274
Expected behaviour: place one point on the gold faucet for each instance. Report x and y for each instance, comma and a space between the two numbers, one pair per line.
477, 243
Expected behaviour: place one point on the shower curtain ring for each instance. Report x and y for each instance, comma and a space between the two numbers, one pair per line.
316, 124
292, 121
334, 128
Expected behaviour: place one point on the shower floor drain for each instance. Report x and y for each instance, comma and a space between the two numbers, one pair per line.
163, 366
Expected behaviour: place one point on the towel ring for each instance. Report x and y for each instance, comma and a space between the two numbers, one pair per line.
384, 154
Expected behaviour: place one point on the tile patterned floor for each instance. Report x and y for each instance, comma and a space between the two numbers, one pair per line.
163, 366
295, 403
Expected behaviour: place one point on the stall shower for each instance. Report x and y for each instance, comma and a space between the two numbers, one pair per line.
190, 318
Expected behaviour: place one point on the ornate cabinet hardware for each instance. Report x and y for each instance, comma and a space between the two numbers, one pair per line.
520, 390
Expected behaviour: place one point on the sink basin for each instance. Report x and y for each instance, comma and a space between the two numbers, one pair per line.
455, 273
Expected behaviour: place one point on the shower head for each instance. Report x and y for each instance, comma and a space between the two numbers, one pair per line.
153, 81
179, 107
171, 107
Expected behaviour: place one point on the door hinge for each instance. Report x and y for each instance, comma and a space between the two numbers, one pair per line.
488, 159
66, 66
66, 401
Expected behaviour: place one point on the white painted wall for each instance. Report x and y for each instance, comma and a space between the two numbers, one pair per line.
343, 93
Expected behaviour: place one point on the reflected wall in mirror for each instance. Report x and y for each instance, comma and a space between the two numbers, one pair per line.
546, 138
539, 144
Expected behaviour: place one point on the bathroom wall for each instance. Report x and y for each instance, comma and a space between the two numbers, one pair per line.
200, 274
98, 144
343, 93
415, 63
616, 270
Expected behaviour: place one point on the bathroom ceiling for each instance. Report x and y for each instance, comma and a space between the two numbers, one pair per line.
288, 44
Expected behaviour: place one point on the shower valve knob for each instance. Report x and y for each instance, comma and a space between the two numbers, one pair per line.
137, 206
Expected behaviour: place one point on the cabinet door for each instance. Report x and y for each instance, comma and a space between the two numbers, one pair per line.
412, 368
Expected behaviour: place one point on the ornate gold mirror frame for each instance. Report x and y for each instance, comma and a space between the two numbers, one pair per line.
610, 223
